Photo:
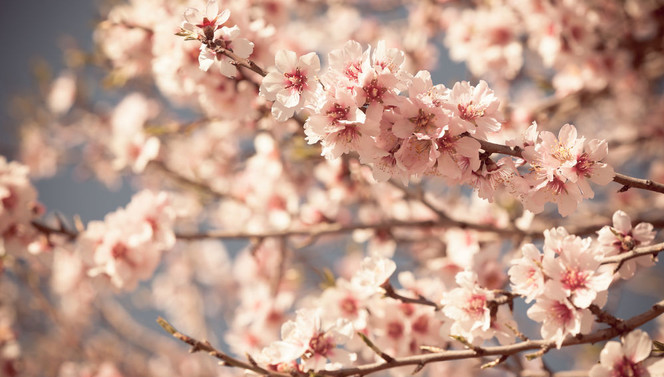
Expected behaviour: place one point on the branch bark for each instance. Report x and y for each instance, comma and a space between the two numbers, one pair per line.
625, 180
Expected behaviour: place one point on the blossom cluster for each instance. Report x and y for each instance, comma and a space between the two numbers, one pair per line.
357, 143
569, 277
403, 126
126, 247
18, 207
208, 28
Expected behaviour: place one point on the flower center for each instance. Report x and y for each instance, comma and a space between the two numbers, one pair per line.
374, 92
470, 112
574, 279
423, 121
353, 70
337, 112
561, 313
476, 305
627, 368
296, 80
446, 143
584, 165
10, 201
557, 186
349, 306
395, 330
320, 345
421, 324
561, 153
119, 251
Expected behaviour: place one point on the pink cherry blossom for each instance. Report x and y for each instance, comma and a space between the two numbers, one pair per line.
577, 271
308, 340
558, 316
373, 273
127, 246
526, 273
291, 84
627, 358
206, 24
622, 238
130, 144
475, 108
226, 38
468, 307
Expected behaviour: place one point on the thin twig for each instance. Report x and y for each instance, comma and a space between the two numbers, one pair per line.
390, 292
635, 253
625, 180
227, 360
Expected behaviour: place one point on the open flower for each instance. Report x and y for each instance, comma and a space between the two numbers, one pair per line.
622, 238
558, 316
314, 345
226, 38
627, 359
207, 24
291, 84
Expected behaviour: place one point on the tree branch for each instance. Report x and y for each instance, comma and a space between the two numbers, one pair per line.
421, 360
625, 180
595, 337
197, 345
635, 253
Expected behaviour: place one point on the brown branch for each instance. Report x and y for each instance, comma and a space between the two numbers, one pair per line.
235, 60
594, 337
625, 180
420, 360
375, 348
205, 346
336, 228
608, 318
644, 184
390, 292
177, 177
60, 230
635, 253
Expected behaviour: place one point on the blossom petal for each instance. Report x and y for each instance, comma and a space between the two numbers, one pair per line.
285, 60
193, 16
637, 345
242, 47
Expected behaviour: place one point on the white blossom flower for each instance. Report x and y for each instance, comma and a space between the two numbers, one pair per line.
206, 24
315, 345
627, 359
291, 83
558, 316
622, 238
373, 273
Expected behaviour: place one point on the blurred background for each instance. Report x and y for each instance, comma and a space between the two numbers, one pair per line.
33, 35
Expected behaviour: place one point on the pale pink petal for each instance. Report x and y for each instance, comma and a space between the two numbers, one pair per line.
272, 83
205, 58
285, 60
599, 371
227, 68
637, 345
612, 353
567, 135
311, 61
242, 47
602, 174
223, 17
212, 9
281, 113
644, 233
622, 222
289, 98
193, 16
